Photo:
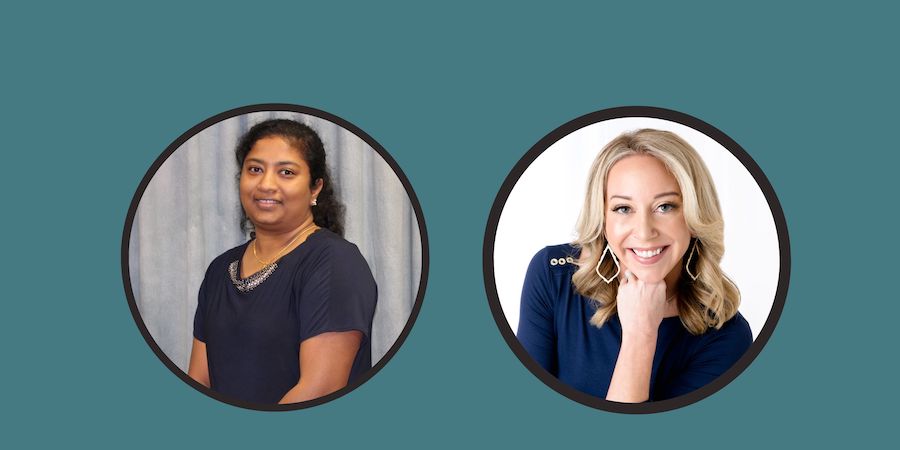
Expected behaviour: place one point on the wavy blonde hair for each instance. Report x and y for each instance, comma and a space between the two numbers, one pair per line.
711, 299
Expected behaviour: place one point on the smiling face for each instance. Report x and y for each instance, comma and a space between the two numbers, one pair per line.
645, 225
275, 186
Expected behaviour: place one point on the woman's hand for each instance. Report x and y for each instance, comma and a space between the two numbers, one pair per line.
641, 308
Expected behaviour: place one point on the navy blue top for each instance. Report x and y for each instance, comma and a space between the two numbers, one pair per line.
253, 338
555, 329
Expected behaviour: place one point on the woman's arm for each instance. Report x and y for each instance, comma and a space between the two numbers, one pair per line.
631, 378
198, 368
641, 308
325, 363
536, 331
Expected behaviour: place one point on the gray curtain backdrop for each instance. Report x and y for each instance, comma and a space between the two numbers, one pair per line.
190, 213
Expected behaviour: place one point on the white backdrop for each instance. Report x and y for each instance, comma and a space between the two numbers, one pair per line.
543, 207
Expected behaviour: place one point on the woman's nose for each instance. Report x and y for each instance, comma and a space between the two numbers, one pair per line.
645, 228
267, 182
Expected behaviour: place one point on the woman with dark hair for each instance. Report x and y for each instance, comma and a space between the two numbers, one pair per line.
287, 316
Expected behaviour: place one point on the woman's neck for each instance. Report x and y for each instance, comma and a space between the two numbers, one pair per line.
270, 242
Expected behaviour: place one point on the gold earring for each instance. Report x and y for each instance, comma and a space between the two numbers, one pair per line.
616, 261
687, 265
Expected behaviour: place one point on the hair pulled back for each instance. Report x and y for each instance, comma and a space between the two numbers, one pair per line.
328, 212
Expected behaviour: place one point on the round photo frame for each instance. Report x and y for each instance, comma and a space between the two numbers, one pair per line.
219, 229
540, 193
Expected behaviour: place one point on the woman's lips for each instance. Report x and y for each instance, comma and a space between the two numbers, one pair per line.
648, 255
266, 203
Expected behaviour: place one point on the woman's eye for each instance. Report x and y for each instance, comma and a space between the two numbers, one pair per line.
622, 209
253, 169
287, 172
666, 207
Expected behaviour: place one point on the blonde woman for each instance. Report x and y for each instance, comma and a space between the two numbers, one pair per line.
637, 308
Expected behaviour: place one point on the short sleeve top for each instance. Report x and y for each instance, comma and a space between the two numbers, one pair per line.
253, 338
555, 329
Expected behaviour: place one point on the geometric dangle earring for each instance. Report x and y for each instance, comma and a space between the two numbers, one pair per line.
616, 261
687, 265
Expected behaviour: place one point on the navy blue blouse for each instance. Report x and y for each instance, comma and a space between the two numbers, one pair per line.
253, 338
555, 329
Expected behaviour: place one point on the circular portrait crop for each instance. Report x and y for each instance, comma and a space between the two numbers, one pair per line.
275, 257
636, 259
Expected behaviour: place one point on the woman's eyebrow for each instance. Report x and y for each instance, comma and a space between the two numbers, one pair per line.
279, 163
664, 194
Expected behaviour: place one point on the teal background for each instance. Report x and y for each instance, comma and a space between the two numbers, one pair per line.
92, 94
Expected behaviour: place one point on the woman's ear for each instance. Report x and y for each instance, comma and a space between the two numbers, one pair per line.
317, 187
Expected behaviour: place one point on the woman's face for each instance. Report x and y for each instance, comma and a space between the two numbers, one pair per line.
645, 224
275, 186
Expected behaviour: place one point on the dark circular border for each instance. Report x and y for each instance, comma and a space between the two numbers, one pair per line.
656, 113
272, 107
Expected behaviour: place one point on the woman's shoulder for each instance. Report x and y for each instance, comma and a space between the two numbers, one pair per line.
565, 251
735, 334
554, 257
330, 256
737, 325
325, 240
327, 249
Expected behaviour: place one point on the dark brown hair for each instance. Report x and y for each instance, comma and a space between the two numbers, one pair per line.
329, 212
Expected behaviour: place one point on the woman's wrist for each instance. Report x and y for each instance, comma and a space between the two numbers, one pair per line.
640, 336
630, 381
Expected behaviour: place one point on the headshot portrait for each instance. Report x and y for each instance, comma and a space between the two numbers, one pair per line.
636, 259
275, 257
